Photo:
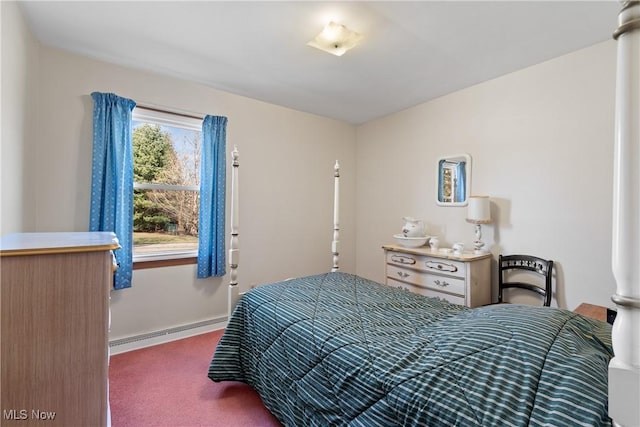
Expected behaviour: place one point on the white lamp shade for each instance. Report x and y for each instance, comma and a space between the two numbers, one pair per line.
479, 210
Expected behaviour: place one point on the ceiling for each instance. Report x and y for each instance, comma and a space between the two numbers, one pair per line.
411, 52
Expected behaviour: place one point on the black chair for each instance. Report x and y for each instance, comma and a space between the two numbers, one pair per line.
509, 264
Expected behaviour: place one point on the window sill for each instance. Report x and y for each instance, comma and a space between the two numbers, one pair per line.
164, 260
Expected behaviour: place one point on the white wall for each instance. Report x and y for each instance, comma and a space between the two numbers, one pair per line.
17, 116
541, 142
286, 184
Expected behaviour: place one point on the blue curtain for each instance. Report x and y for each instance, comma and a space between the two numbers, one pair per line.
461, 187
112, 177
211, 230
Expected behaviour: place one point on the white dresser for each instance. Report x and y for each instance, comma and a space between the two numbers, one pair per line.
463, 279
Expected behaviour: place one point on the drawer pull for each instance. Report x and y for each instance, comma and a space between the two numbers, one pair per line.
114, 263
403, 259
442, 283
441, 266
402, 274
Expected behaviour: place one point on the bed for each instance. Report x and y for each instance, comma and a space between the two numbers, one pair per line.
338, 349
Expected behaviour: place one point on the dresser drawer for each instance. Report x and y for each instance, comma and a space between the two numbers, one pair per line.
428, 264
463, 279
450, 284
445, 266
426, 292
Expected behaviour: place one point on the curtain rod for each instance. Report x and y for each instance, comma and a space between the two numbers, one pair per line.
161, 110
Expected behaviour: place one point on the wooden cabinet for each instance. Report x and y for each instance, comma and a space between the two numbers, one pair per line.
54, 291
464, 279
594, 311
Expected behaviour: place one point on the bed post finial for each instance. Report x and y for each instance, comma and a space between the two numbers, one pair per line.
336, 219
624, 368
234, 251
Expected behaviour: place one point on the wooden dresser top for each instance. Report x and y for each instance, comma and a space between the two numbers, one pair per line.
54, 243
438, 253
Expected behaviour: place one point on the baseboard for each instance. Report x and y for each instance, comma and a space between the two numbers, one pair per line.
136, 342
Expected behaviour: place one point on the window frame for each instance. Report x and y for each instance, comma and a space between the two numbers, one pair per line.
178, 120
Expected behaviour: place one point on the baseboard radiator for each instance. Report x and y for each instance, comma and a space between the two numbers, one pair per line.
136, 342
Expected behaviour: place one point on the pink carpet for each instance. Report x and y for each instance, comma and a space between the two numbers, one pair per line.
167, 385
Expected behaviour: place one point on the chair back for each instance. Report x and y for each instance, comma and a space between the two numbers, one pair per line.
538, 266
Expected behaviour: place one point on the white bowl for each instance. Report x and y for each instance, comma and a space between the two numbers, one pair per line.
411, 242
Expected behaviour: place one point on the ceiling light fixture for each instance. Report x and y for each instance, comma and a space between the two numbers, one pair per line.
335, 39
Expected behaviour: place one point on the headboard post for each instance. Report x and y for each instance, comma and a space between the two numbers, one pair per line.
234, 251
336, 216
624, 368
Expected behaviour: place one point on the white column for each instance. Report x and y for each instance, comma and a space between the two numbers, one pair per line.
336, 216
624, 368
234, 251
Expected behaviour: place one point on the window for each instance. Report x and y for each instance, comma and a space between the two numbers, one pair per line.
166, 174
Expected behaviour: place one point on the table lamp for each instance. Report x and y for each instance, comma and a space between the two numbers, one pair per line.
478, 213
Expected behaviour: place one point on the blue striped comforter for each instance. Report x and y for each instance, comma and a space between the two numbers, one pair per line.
337, 349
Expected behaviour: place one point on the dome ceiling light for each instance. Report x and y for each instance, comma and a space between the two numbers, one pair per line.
335, 39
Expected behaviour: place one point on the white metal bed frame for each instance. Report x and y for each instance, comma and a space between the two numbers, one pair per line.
624, 368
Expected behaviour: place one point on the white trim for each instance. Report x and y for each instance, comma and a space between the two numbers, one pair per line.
150, 186
137, 342
140, 114
161, 256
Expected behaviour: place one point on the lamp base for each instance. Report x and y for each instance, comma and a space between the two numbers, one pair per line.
478, 244
478, 247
